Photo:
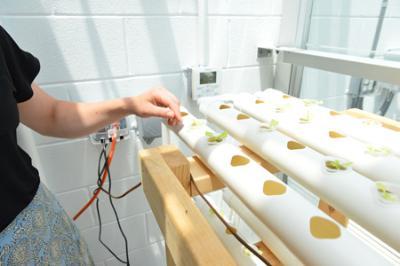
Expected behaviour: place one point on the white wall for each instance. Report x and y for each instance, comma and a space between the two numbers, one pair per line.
97, 49
347, 27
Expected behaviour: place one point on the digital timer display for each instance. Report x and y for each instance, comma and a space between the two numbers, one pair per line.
208, 77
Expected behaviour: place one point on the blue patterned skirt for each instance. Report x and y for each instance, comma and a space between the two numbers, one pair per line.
43, 234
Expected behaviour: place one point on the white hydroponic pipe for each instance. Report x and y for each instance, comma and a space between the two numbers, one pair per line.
267, 236
310, 234
365, 130
320, 136
235, 248
348, 191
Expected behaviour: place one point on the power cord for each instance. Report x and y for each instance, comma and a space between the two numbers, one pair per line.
106, 169
102, 175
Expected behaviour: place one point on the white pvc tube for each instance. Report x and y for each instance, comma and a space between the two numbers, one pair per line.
268, 237
309, 233
350, 192
357, 128
316, 135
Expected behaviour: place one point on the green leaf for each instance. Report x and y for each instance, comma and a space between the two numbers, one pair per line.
346, 165
212, 139
209, 134
216, 138
380, 186
274, 123
223, 135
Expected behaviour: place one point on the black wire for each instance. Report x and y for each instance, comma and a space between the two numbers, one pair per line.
100, 172
227, 225
100, 186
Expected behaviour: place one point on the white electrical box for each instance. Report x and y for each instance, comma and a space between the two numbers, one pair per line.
104, 135
205, 82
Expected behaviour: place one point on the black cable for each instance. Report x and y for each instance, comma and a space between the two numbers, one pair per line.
100, 186
100, 173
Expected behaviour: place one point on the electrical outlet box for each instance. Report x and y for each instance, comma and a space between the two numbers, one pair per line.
105, 134
205, 82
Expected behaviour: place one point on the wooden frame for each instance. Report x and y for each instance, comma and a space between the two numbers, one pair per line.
189, 238
165, 174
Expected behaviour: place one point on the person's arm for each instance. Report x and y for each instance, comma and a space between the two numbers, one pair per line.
52, 117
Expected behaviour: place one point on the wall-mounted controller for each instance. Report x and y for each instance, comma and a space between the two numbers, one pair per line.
105, 134
205, 82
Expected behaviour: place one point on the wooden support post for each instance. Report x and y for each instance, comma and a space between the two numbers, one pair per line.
205, 180
178, 164
170, 260
190, 240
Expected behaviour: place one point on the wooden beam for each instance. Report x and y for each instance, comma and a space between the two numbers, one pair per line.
333, 213
205, 180
170, 260
267, 254
188, 236
264, 163
178, 164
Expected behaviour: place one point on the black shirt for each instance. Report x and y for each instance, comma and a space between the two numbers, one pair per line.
19, 180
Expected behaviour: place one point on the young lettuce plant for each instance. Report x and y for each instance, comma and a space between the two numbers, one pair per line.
306, 118
336, 165
198, 123
270, 126
385, 193
216, 138
311, 102
378, 150
282, 108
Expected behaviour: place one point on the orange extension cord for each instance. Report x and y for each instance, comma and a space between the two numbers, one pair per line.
103, 179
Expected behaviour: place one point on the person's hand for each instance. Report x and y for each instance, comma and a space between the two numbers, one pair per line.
157, 102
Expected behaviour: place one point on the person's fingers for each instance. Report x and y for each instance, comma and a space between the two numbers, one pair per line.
167, 93
163, 112
164, 100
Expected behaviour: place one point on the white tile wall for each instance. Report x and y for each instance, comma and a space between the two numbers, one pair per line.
73, 48
245, 7
18, 7
134, 228
95, 50
73, 164
133, 204
161, 45
126, 7
245, 35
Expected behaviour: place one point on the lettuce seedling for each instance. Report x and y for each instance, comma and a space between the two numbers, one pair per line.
337, 165
306, 118
196, 123
311, 102
270, 126
385, 193
282, 108
212, 138
378, 151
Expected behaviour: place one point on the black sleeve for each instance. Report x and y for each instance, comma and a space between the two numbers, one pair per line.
21, 67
